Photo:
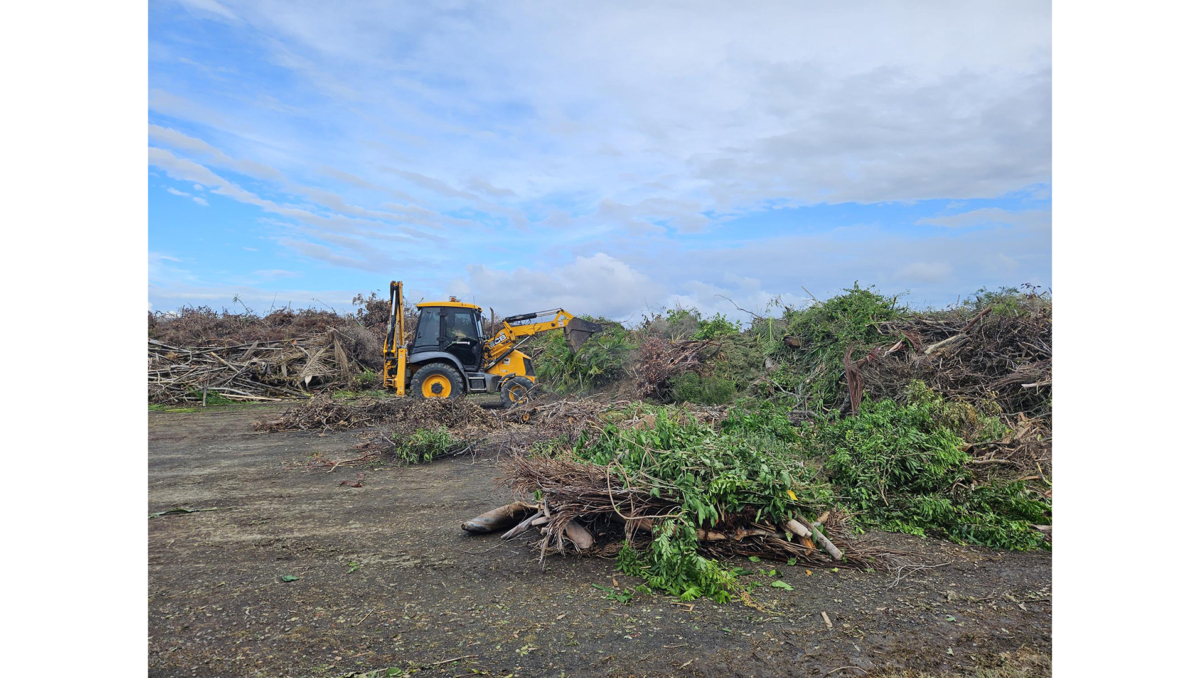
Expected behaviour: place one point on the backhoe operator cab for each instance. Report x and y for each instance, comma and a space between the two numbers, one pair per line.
450, 356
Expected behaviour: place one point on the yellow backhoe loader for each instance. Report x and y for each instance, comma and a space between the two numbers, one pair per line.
449, 355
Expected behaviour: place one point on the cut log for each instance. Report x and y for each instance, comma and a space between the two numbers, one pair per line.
539, 520
797, 529
833, 551
498, 518
523, 526
826, 545
579, 536
709, 535
945, 343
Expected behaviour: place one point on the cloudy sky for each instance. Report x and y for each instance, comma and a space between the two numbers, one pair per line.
605, 157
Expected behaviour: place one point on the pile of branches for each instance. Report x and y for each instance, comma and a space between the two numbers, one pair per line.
256, 371
659, 359
399, 416
202, 326
322, 413
1004, 357
585, 506
1024, 452
361, 336
670, 494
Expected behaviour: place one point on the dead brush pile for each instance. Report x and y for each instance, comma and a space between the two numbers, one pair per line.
998, 355
257, 371
322, 413
658, 360
401, 416
197, 351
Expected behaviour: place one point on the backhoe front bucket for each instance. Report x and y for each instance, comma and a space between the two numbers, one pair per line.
578, 331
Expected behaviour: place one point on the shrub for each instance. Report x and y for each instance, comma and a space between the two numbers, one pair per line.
366, 380
424, 445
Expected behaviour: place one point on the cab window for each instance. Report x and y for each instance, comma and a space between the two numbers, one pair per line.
460, 324
427, 328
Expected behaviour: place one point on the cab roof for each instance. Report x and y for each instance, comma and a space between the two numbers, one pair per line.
448, 304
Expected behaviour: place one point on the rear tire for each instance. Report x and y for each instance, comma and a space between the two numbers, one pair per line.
437, 380
516, 391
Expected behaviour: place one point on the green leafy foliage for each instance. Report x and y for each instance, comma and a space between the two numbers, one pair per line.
599, 362
901, 470
690, 387
825, 330
424, 445
752, 464
760, 417
716, 327
366, 380
973, 423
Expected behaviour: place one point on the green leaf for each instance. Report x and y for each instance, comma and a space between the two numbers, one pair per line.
288, 577
779, 584
755, 559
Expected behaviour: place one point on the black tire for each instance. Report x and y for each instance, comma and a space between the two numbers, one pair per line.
434, 371
516, 391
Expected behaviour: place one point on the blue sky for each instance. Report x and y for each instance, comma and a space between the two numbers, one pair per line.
609, 158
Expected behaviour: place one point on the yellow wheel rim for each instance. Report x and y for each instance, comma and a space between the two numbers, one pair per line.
517, 393
430, 387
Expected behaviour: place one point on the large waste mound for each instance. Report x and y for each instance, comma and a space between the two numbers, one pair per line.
199, 355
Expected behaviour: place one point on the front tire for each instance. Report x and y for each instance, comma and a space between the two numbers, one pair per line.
437, 381
516, 391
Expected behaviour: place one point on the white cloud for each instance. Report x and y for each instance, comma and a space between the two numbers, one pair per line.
597, 285
200, 201
717, 105
210, 6
988, 216
633, 131
925, 272
217, 158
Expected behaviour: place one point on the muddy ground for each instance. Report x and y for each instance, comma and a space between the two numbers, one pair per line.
424, 592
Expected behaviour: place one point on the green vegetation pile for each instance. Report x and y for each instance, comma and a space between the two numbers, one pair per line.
599, 363
670, 495
933, 423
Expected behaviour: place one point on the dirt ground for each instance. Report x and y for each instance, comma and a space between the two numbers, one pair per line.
386, 578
